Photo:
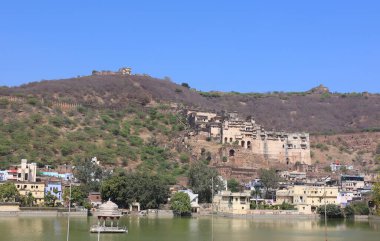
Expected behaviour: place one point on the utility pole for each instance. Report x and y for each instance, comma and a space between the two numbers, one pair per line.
68, 217
212, 208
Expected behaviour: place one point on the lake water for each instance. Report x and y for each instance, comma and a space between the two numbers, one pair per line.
191, 229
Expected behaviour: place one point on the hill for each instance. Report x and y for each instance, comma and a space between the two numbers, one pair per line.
315, 111
135, 122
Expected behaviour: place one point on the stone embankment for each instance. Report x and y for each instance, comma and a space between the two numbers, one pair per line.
44, 212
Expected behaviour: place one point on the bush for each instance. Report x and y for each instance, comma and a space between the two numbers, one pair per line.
180, 204
186, 85
349, 212
184, 158
360, 208
4, 103
332, 211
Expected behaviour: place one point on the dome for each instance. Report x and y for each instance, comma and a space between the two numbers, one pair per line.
109, 209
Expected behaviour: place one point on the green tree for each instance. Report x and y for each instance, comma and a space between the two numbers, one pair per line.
378, 149
78, 195
349, 211
9, 192
180, 204
233, 185
360, 208
28, 200
269, 179
287, 206
200, 181
376, 196
89, 174
186, 85
332, 211
124, 188
49, 199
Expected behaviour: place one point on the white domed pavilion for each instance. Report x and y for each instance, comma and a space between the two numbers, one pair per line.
108, 211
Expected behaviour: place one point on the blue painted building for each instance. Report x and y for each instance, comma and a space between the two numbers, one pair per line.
63, 176
3, 176
55, 188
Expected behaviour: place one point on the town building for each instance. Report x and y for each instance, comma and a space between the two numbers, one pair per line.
55, 188
12, 173
3, 176
352, 183
232, 202
193, 200
26, 172
36, 189
337, 167
95, 199
346, 197
308, 198
62, 176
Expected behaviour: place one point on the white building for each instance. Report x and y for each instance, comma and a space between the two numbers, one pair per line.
26, 172
193, 200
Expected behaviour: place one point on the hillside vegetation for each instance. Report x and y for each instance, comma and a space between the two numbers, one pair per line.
316, 111
134, 137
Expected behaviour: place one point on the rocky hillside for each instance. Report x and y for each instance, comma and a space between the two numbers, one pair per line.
316, 111
135, 121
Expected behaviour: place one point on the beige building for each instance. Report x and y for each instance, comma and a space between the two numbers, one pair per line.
229, 129
232, 202
308, 198
26, 172
37, 190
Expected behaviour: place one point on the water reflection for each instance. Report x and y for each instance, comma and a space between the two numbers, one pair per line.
183, 229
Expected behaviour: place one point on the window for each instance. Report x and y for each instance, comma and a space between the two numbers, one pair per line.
232, 152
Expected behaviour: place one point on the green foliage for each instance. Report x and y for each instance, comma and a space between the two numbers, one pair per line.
180, 204
325, 96
8, 192
4, 103
27, 201
378, 149
209, 94
184, 157
124, 188
287, 206
332, 211
78, 195
233, 185
322, 147
200, 181
349, 211
376, 196
49, 199
32, 100
269, 178
186, 85
51, 137
89, 174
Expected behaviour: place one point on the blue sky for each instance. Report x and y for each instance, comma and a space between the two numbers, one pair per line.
246, 46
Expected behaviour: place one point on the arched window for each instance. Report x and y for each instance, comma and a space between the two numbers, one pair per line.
249, 145
242, 143
232, 152
230, 139
225, 139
